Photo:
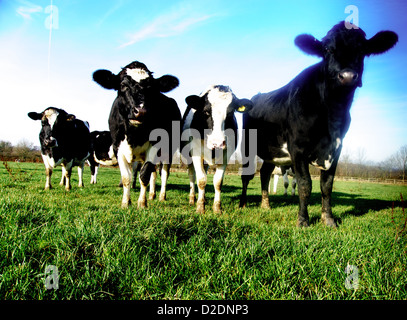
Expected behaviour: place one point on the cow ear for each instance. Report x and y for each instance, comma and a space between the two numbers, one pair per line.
35, 115
309, 44
381, 42
107, 79
195, 102
244, 105
167, 82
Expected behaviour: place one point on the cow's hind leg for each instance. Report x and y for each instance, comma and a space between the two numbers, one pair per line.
144, 179
326, 182
217, 183
265, 174
80, 174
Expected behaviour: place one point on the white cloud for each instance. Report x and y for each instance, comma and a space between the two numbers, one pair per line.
27, 9
167, 25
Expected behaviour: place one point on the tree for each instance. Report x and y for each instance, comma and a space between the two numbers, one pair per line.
400, 159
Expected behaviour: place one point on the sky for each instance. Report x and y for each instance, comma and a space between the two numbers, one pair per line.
247, 45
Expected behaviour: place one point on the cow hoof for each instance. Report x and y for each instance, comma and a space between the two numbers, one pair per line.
302, 223
163, 197
217, 207
142, 204
192, 200
265, 205
200, 208
329, 222
151, 196
125, 205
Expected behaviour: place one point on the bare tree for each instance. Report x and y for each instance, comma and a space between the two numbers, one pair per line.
400, 159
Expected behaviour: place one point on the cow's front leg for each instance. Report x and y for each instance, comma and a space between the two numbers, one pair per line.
68, 172
125, 171
192, 178
144, 179
304, 191
80, 174
165, 173
201, 182
265, 174
217, 183
153, 179
327, 181
48, 175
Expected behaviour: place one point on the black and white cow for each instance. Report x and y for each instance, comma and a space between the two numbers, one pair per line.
210, 126
140, 113
101, 152
64, 140
283, 171
305, 121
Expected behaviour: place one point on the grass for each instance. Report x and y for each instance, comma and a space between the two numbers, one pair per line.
168, 251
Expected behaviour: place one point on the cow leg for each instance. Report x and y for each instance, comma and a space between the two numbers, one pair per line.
275, 183
304, 191
192, 178
293, 185
245, 183
62, 182
136, 169
286, 182
68, 172
201, 182
326, 181
217, 183
165, 173
144, 179
49, 164
80, 175
94, 168
125, 171
265, 174
153, 179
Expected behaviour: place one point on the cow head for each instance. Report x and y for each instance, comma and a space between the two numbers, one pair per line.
343, 50
213, 108
53, 121
134, 85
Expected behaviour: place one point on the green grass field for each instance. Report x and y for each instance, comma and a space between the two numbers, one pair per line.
169, 252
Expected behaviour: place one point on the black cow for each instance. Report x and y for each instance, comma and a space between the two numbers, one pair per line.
101, 152
305, 121
209, 122
141, 113
64, 140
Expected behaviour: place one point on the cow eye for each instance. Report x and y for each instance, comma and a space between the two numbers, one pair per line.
123, 88
328, 50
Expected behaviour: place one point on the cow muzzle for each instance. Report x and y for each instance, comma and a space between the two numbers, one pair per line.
216, 142
51, 142
138, 117
348, 77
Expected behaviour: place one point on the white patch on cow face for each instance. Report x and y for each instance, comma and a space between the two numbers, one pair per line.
51, 115
137, 74
220, 101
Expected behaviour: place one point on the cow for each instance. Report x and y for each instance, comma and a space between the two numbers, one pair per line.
101, 152
140, 115
209, 133
285, 172
305, 121
64, 140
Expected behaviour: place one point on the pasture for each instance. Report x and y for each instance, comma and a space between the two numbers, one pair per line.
168, 251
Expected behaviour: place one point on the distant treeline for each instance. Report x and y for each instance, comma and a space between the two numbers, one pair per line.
393, 168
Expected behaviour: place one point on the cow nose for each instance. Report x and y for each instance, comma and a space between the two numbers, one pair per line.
347, 77
139, 113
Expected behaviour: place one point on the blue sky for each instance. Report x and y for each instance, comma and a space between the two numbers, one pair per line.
248, 45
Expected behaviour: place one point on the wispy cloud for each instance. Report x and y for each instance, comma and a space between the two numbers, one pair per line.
27, 9
167, 25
